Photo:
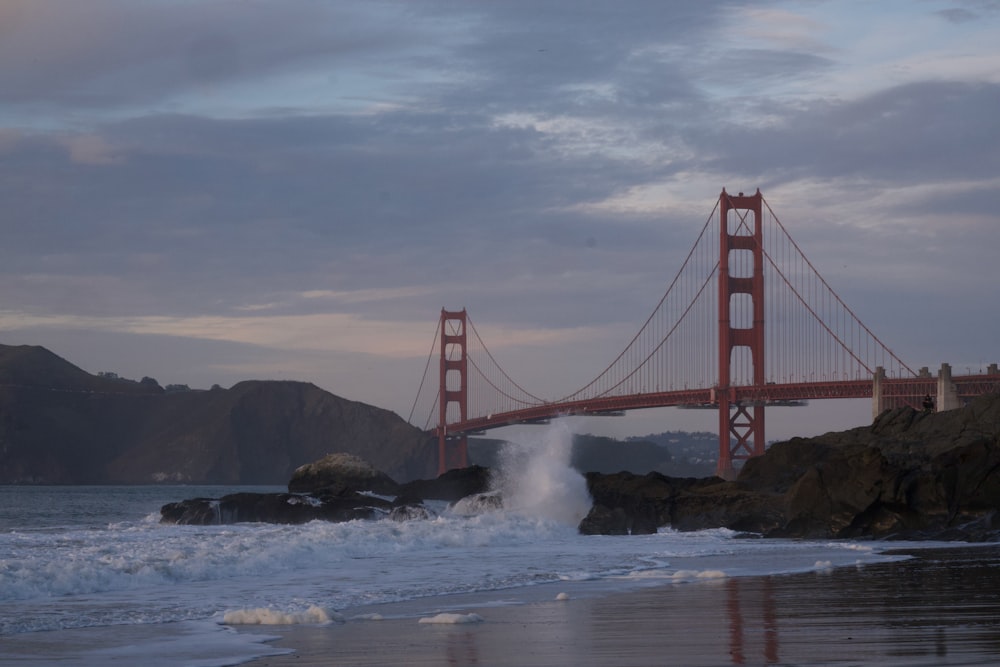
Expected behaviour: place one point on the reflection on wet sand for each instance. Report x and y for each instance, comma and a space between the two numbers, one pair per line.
941, 607
941, 603
769, 630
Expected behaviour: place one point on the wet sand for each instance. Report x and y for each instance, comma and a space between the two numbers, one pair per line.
941, 607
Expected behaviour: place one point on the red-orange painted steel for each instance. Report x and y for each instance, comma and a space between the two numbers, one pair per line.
453, 444
746, 426
909, 390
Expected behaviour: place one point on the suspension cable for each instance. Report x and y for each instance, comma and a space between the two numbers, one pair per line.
430, 355
653, 314
499, 367
835, 295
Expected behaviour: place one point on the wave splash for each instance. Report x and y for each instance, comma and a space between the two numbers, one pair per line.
536, 479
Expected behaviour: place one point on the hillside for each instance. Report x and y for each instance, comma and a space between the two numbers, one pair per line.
675, 453
62, 425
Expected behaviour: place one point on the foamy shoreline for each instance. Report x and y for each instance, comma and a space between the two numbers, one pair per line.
940, 607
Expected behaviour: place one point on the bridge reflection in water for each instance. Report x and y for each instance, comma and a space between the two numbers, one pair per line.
767, 630
941, 607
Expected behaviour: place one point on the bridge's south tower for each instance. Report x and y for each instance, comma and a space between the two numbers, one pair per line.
454, 390
741, 327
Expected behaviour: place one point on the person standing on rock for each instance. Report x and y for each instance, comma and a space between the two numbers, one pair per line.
928, 404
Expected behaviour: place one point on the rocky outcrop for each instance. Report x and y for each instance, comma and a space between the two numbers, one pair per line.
339, 487
626, 503
479, 503
341, 471
452, 485
62, 425
909, 475
285, 508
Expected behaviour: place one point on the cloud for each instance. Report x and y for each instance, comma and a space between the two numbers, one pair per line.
957, 15
779, 28
92, 149
365, 295
9, 139
317, 332
113, 53
930, 131
322, 178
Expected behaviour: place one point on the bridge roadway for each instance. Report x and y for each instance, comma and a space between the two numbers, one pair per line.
894, 392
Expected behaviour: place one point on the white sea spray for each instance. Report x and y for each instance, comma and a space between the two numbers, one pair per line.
536, 478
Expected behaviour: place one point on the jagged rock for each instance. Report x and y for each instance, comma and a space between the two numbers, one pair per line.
478, 503
285, 508
341, 471
332, 490
451, 486
410, 513
193, 511
909, 475
602, 520
724, 504
403, 499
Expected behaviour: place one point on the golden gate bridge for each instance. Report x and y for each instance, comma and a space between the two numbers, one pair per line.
747, 322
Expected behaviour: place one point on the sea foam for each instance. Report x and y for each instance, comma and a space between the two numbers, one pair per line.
452, 619
312, 616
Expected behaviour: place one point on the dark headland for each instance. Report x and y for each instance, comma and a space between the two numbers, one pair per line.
62, 425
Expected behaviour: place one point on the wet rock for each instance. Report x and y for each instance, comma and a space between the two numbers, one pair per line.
283, 508
346, 488
341, 471
194, 511
410, 513
451, 486
603, 520
478, 503
911, 475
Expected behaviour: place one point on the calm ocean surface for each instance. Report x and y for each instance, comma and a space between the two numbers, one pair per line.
88, 575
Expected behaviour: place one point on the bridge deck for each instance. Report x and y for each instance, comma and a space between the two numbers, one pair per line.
897, 390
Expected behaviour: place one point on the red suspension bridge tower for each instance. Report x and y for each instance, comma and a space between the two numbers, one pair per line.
454, 389
741, 250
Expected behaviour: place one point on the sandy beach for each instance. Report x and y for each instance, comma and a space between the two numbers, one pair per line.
941, 607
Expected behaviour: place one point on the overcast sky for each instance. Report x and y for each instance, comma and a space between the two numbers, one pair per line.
207, 191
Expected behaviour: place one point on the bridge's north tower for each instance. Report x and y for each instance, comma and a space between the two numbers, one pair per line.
741, 327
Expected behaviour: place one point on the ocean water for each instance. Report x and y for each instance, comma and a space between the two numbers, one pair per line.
88, 575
